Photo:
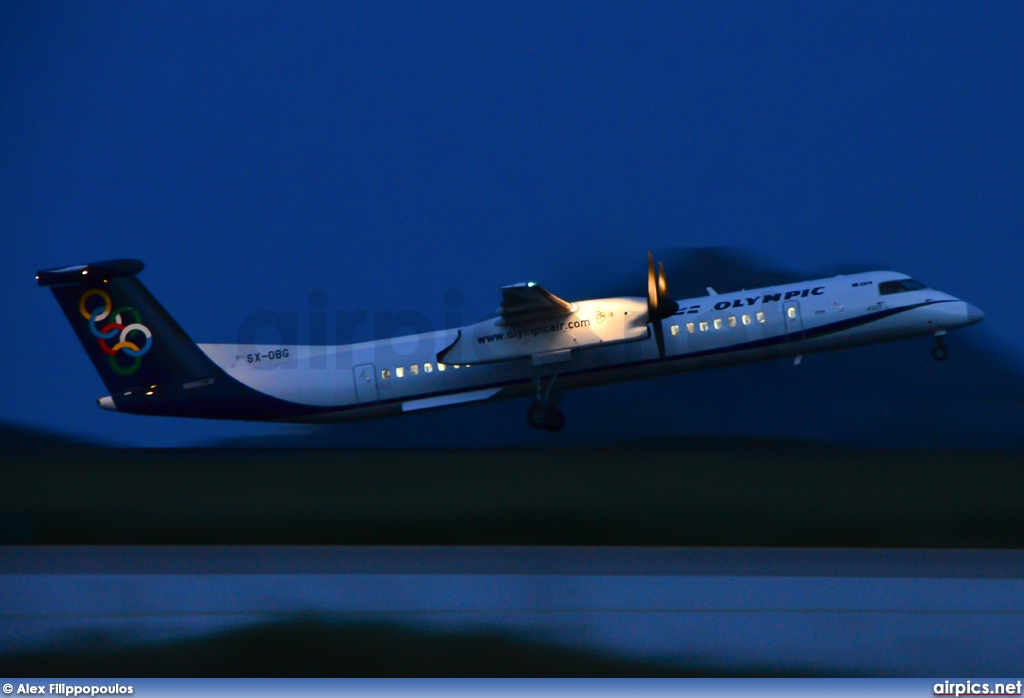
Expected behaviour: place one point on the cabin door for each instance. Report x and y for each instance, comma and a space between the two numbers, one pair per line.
794, 323
366, 383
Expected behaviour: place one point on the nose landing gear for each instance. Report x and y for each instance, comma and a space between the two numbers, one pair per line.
544, 413
939, 351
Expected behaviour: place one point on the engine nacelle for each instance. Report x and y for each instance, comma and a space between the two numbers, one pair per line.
595, 323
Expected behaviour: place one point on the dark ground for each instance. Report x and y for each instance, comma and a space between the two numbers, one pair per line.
688, 492
314, 648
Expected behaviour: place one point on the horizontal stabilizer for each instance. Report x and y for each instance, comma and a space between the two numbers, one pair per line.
86, 273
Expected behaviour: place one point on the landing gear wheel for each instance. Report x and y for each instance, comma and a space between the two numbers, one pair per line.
940, 352
546, 417
555, 420
544, 413
537, 415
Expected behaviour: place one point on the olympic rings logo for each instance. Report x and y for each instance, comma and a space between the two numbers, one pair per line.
117, 328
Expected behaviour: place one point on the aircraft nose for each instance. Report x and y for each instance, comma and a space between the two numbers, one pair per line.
974, 314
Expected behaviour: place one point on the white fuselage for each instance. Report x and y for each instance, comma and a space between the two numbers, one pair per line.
603, 341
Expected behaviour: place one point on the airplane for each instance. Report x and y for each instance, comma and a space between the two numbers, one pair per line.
536, 346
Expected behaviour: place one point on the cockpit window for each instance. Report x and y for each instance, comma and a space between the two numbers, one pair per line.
901, 286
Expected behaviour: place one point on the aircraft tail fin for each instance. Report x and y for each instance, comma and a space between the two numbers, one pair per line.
132, 341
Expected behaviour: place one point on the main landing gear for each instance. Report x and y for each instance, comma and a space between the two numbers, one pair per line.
939, 351
544, 412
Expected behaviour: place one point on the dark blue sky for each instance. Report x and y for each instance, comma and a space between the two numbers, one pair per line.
386, 152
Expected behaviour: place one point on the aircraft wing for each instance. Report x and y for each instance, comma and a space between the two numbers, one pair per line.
524, 304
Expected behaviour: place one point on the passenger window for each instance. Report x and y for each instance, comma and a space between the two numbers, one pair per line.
675, 330
746, 319
399, 372
414, 369
703, 326
791, 312
440, 367
732, 321
718, 323
427, 368
689, 327
385, 374
760, 316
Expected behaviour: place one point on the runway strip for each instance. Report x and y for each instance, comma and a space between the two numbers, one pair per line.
823, 611
512, 560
